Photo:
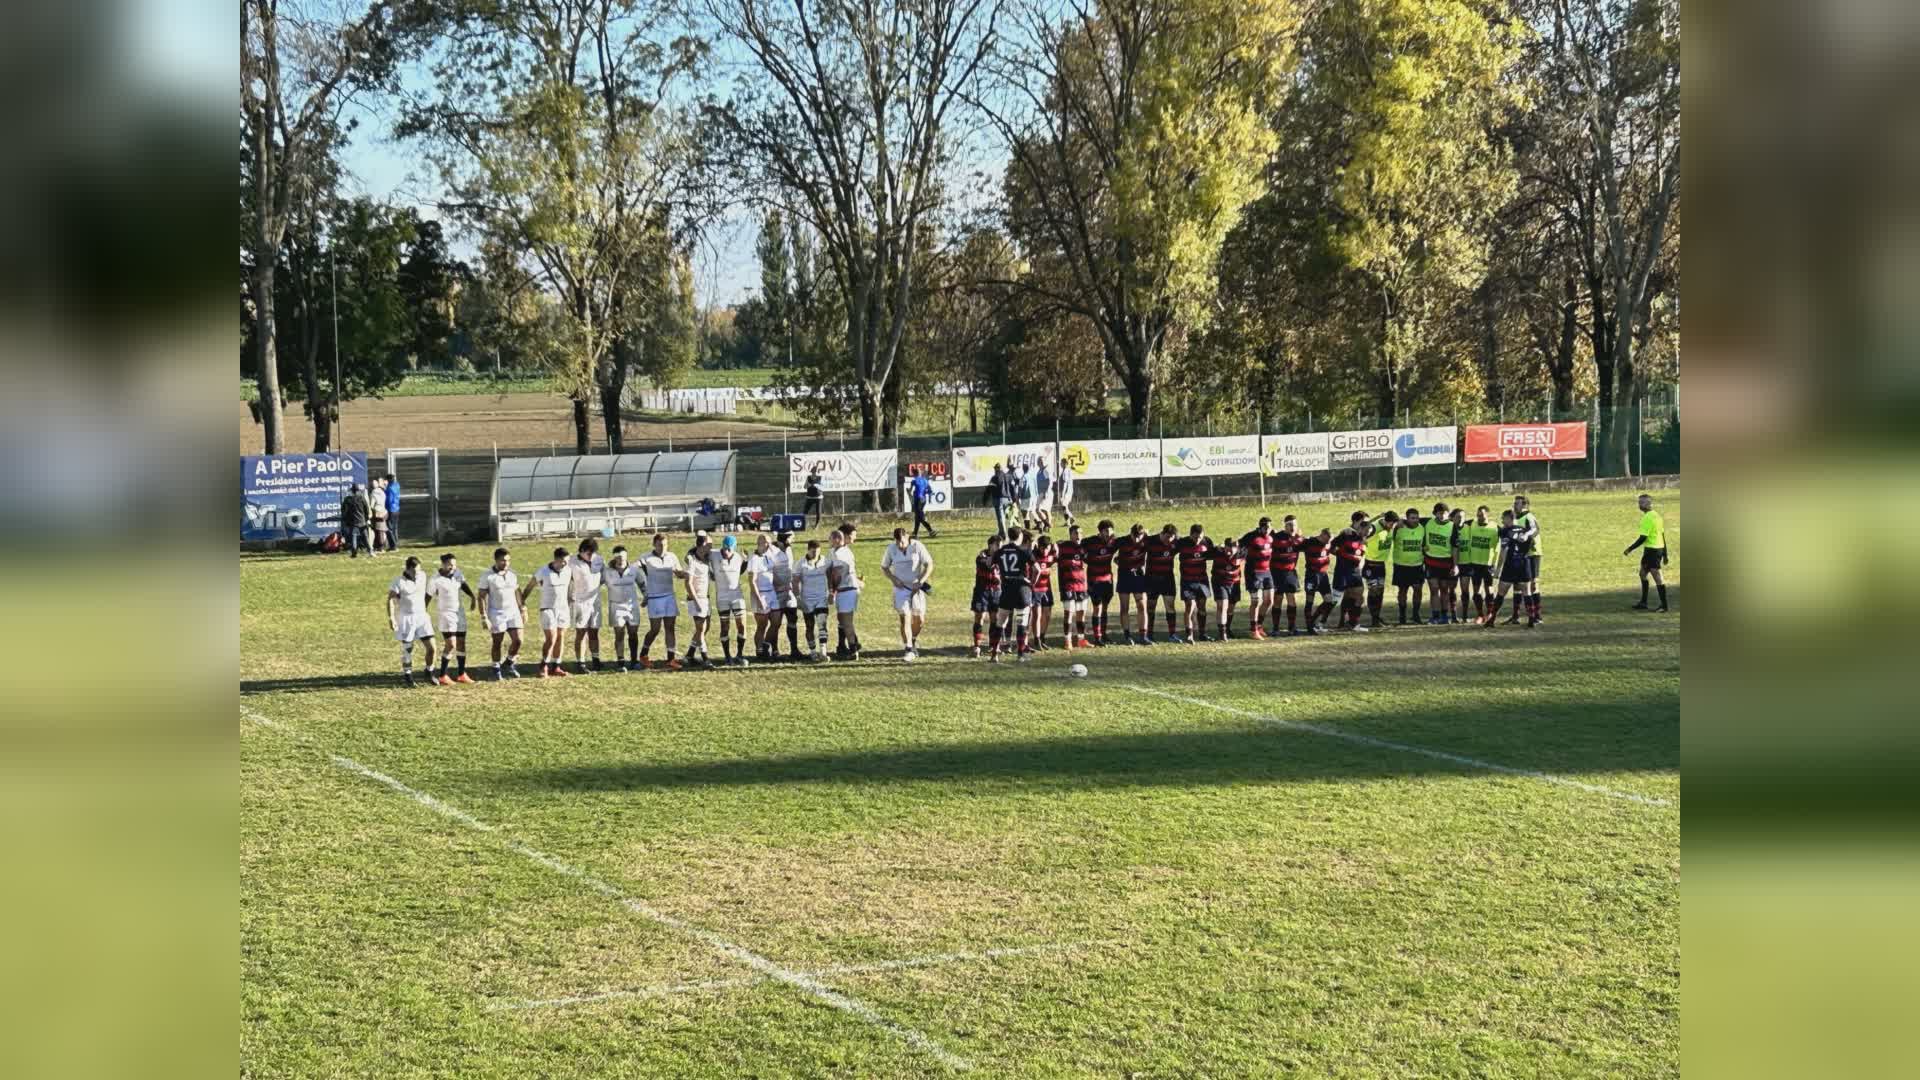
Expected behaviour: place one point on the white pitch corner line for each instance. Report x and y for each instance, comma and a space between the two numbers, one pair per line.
1404, 748
880, 966
805, 983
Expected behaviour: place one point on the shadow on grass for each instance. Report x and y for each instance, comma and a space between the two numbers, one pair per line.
1577, 737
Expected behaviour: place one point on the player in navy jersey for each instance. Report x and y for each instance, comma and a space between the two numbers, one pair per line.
1040, 572
1257, 547
1013, 561
1191, 551
1227, 560
1100, 551
986, 588
1131, 554
1316, 552
1072, 555
1286, 575
1160, 580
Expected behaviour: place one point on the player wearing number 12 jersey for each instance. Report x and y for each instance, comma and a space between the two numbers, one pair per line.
1014, 560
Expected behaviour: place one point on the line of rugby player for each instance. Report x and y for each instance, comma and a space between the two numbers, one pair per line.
1454, 560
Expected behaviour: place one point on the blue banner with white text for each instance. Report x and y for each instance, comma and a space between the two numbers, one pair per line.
288, 496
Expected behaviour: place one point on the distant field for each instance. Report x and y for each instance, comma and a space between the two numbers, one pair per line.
443, 385
1426, 851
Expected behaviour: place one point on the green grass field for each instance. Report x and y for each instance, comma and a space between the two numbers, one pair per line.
884, 870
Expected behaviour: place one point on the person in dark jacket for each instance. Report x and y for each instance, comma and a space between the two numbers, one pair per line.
921, 489
999, 494
814, 488
356, 522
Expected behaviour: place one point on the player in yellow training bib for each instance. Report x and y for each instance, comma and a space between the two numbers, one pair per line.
1653, 554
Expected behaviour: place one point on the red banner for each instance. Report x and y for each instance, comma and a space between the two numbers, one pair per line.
1527, 442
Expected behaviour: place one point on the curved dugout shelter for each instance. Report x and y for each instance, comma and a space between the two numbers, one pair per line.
571, 496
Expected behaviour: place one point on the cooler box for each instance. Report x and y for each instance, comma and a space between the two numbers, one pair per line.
791, 523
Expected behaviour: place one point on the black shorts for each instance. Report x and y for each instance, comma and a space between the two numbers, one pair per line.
1652, 558
1195, 591
1100, 592
1289, 581
1259, 581
1440, 571
1018, 598
1042, 598
1159, 586
1346, 577
1133, 583
1476, 572
1074, 595
1518, 570
1404, 576
985, 599
1374, 574
1226, 594
1316, 582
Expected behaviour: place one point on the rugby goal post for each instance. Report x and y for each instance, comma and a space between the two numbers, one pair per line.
410, 488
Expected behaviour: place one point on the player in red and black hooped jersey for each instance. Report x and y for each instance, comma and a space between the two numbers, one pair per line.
1100, 550
1191, 552
1316, 552
986, 588
1257, 549
1228, 564
1040, 572
1131, 555
1073, 587
1160, 580
1349, 560
1013, 560
1286, 573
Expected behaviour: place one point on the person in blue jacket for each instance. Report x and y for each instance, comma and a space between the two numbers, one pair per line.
393, 512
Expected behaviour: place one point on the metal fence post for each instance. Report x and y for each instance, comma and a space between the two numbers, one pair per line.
1594, 437
1260, 437
843, 495
1456, 450
1109, 479
1549, 454
786, 459
1640, 430
1310, 431
1209, 436
1503, 419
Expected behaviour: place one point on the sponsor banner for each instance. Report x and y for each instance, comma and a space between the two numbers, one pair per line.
1293, 453
1216, 455
1113, 459
1359, 449
283, 496
939, 495
973, 465
845, 470
1527, 442
1426, 446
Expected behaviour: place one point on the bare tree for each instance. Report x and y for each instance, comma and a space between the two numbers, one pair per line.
300, 66
845, 124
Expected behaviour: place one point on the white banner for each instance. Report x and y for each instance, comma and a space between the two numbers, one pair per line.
939, 495
845, 470
1293, 453
1426, 445
1112, 459
1216, 455
973, 465
1359, 449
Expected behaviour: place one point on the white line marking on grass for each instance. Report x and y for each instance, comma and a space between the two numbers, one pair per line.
669, 989
1404, 748
805, 983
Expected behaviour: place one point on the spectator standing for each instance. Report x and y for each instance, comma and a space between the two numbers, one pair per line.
356, 517
382, 539
921, 489
1063, 490
814, 492
999, 495
1043, 495
393, 511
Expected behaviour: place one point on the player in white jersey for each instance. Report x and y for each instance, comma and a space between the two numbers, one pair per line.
621, 580
728, 567
552, 580
501, 600
699, 572
660, 567
583, 601
407, 616
786, 608
445, 591
909, 565
815, 596
844, 577
762, 597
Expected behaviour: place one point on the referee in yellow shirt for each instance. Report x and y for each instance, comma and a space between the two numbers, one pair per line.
1653, 544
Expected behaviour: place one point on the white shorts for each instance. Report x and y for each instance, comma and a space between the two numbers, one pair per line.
815, 604
698, 607
452, 621
412, 628
584, 614
623, 612
731, 603
846, 601
662, 607
785, 601
499, 622
766, 601
553, 618
909, 600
